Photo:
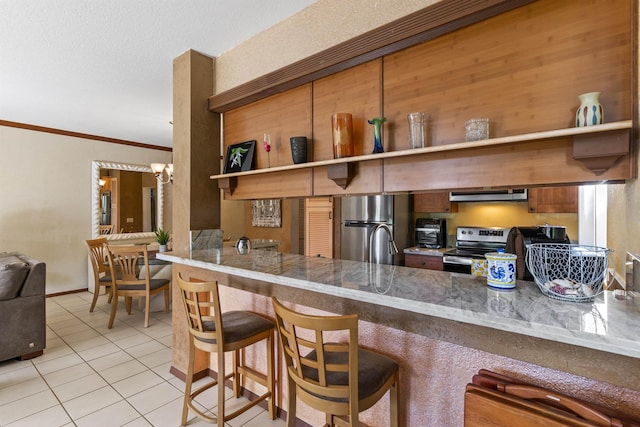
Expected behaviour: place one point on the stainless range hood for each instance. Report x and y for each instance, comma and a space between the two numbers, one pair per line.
517, 194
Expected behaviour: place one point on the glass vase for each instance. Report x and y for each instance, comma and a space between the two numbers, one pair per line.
342, 125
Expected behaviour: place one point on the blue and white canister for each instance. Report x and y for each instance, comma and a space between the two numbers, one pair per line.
590, 112
501, 270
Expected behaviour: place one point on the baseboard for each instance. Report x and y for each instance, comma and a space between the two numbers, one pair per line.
75, 291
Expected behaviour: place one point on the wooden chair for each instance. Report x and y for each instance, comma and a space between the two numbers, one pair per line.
105, 229
339, 379
235, 330
124, 265
101, 271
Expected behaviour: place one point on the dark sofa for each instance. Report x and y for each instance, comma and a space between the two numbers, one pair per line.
22, 306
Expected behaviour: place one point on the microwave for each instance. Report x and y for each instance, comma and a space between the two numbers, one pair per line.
431, 233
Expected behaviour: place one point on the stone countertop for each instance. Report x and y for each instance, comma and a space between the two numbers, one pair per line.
426, 251
608, 324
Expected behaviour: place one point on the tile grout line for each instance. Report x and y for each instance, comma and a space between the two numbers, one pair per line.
125, 399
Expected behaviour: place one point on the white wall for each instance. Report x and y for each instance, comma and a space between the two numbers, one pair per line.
45, 198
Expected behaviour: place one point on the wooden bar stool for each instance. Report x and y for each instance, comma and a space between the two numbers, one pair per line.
339, 379
235, 330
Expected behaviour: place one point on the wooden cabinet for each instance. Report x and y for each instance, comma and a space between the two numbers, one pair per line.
318, 221
434, 202
451, 78
428, 262
553, 199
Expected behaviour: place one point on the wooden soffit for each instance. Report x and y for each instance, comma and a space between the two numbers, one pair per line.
426, 24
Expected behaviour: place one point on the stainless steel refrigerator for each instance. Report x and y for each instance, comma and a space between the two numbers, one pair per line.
362, 215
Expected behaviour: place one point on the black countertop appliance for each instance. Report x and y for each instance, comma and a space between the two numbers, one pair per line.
520, 238
431, 233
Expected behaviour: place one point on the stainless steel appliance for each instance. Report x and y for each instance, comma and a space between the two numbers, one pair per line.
473, 243
431, 233
517, 194
379, 220
105, 208
520, 238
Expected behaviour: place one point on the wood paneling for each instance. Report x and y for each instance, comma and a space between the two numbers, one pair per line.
367, 180
426, 24
519, 165
356, 91
523, 70
295, 183
281, 116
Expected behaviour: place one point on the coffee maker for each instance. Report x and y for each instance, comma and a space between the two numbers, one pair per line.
431, 233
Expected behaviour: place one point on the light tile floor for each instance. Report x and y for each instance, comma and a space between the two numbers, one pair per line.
93, 376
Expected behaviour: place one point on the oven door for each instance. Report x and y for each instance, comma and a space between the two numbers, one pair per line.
456, 264
428, 238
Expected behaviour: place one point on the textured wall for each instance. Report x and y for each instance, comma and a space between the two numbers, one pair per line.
312, 30
623, 224
46, 198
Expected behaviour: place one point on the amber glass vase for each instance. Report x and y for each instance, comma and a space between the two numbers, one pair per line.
342, 124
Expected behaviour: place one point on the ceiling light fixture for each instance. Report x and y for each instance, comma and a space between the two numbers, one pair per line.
159, 168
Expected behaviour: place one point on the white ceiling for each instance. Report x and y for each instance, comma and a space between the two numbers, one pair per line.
105, 67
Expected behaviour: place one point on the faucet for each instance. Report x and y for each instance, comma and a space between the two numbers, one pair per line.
393, 249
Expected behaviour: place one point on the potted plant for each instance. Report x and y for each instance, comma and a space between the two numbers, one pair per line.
162, 237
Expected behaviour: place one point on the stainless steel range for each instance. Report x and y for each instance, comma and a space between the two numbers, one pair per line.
473, 242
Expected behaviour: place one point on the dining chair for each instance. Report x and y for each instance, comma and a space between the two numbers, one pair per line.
101, 271
125, 264
212, 331
105, 229
340, 379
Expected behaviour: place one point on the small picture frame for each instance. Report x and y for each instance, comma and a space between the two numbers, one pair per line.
239, 157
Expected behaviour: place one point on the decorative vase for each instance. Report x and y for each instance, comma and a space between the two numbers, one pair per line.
377, 133
162, 248
342, 124
416, 129
477, 129
299, 149
590, 112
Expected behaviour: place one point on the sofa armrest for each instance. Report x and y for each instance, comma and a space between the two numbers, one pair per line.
35, 282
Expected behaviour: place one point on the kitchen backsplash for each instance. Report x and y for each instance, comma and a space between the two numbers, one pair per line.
501, 214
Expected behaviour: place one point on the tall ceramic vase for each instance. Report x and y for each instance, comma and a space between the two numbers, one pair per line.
590, 111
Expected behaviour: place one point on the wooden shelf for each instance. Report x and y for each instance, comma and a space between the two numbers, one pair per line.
597, 147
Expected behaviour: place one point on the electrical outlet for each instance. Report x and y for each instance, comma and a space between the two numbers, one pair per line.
129, 219
31, 345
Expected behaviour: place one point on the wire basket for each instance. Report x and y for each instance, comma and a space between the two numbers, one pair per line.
568, 272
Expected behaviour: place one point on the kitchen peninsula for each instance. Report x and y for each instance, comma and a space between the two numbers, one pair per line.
443, 327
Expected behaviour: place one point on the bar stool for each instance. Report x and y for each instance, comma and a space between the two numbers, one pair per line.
238, 330
339, 379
